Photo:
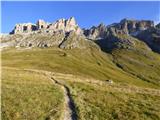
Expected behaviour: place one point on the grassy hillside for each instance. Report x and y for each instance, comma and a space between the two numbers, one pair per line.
30, 96
130, 97
90, 63
100, 103
139, 61
146, 68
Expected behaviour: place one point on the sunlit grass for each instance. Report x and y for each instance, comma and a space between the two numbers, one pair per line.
30, 96
26, 94
101, 103
91, 63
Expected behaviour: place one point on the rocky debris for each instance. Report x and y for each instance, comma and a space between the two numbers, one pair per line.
122, 41
57, 39
5, 45
65, 25
42, 40
119, 42
74, 41
10, 40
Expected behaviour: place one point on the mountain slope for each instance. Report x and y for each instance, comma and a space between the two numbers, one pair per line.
107, 72
92, 63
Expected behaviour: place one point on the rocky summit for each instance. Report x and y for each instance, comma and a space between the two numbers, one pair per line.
66, 34
125, 26
65, 25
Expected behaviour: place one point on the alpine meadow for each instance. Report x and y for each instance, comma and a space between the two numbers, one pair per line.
61, 71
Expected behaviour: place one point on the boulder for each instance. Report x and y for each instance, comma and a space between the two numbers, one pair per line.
109, 81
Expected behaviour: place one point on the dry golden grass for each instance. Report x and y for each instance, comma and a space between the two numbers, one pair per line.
26, 95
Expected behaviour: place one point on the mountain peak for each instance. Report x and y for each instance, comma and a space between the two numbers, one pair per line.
65, 25
72, 20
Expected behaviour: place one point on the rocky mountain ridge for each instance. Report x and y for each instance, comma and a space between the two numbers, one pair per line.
66, 34
125, 26
64, 25
111, 35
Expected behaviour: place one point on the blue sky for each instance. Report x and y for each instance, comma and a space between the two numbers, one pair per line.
86, 13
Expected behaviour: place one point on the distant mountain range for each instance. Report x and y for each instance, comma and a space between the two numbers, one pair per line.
59, 69
66, 34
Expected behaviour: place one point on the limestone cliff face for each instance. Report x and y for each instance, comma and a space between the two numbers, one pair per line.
74, 41
65, 25
41, 24
127, 26
96, 32
66, 34
119, 35
151, 37
24, 28
63, 33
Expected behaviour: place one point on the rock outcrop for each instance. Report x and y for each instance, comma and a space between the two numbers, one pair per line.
131, 27
66, 34
119, 35
75, 41
65, 25
125, 26
41, 24
24, 28
98, 32
41, 40
151, 37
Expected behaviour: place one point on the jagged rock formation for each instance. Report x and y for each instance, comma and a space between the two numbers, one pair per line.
24, 28
76, 41
119, 35
41, 40
127, 26
151, 37
65, 25
98, 32
41, 24
63, 33
43, 34
66, 34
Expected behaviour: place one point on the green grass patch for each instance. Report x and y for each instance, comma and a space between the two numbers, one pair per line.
102, 103
26, 95
144, 66
91, 63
